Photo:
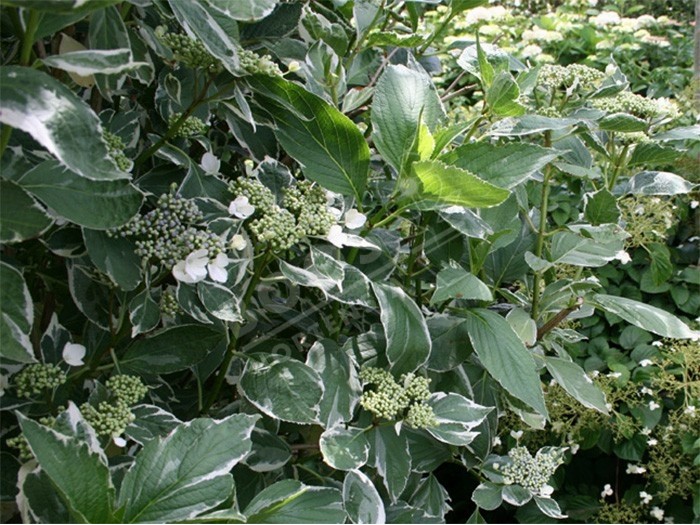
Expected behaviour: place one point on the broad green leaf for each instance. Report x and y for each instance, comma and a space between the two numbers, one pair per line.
516, 495
684, 133
601, 207
432, 498
282, 388
450, 335
291, 501
186, 473
502, 96
144, 313
504, 165
652, 153
426, 453
37, 492
16, 316
529, 125
150, 422
457, 416
661, 265
171, 350
389, 454
90, 62
21, 217
361, 500
98, 205
341, 386
107, 31
216, 30
80, 476
327, 144
403, 98
115, 256
245, 10
658, 183
623, 123
57, 119
220, 302
549, 507
575, 381
484, 60
458, 283
407, 339
644, 316
344, 448
269, 452
62, 6
445, 184
90, 296
505, 357
487, 496
571, 248
457, 6
523, 325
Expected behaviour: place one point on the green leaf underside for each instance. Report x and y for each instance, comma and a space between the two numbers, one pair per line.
505, 357
58, 120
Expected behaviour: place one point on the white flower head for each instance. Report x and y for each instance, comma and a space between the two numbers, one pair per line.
645, 497
652, 442
615, 375
645, 431
694, 204
238, 242
546, 491
194, 268
635, 469
690, 409
516, 434
646, 391
653, 405
496, 441
210, 164
354, 219
217, 268
623, 257
73, 354
119, 441
574, 448
607, 491
646, 362
657, 513
293, 66
241, 208
336, 236
335, 212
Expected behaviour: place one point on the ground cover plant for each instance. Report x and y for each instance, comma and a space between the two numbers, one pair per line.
348, 262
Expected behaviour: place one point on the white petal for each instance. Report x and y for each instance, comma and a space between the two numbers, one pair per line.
238, 242
119, 441
180, 273
241, 208
336, 236
335, 212
73, 354
359, 242
354, 219
217, 273
210, 164
197, 256
221, 260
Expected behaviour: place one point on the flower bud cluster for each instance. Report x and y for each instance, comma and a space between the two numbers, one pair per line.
553, 76
188, 51
168, 233
192, 126
307, 201
532, 473
391, 400
20, 443
116, 147
108, 419
254, 63
647, 218
33, 379
168, 304
126, 388
638, 106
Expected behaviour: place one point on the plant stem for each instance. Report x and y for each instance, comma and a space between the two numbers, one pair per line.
617, 169
542, 232
437, 32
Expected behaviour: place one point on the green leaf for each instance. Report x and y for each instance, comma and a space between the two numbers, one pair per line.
403, 98
150, 422
58, 120
327, 144
458, 283
391, 458
502, 96
80, 476
431, 498
90, 62
407, 339
361, 500
144, 313
516, 495
62, 6
450, 335
186, 473
571, 248
658, 183
457, 6
245, 10
291, 501
341, 386
21, 217
220, 302
90, 296
623, 123
457, 416
601, 208
216, 30
575, 381
114, 256
549, 507
661, 265
452, 185
171, 349
505, 357
16, 316
644, 316
651, 153
43, 501
487, 496
282, 387
529, 125
98, 205
344, 448
269, 452
523, 325
504, 165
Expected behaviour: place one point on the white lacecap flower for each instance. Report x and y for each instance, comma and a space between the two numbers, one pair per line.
635, 469
73, 354
694, 204
194, 268
607, 491
657, 343
337, 214
238, 242
653, 405
119, 441
657, 513
496, 466
652, 442
595, 373
217, 268
293, 66
608, 406
623, 257
645, 497
646, 362
336, 236
646, 391
210, 164
496, 441
546, 491
354, 219
615, 375
516, 434
690, 409
645, 431
575, 447
241, 208
4, 383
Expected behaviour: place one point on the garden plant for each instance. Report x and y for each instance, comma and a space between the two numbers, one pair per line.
349, 261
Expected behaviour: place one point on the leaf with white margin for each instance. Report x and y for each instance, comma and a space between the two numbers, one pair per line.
282, 387
456, 416
269, 452
150, 422
344, 448
549, 507
57, 119
488, 496
361, 499
186, 473
657, 183
391, 458
245, 10
574, 380
21, 217
92, 61
16, 317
